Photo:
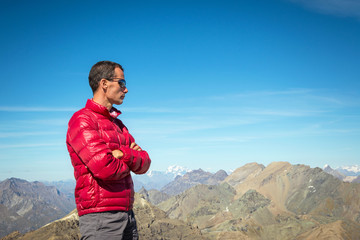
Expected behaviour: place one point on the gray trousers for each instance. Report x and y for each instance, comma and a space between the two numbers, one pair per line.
108, 225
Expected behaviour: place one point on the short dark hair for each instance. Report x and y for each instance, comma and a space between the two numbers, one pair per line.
100, 70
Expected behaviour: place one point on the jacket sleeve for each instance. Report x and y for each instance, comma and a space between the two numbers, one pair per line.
83, 137
138, 161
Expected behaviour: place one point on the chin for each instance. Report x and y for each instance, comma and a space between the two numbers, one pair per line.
118, 102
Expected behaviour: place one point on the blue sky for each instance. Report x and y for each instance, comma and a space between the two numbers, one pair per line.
212, 84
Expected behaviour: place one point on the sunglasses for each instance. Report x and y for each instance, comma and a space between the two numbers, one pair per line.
121, 82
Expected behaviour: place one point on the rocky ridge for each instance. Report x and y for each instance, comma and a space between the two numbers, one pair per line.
334, 172
153, 196
193, 178
26, 206
152, 224
281, 201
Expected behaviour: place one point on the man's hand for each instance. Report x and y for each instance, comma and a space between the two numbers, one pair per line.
117, 153
135, 147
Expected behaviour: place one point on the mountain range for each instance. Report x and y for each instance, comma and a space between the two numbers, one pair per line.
151, 180
152, 223
158, 179
65, 186
277, 201
280, 201
25, 206
349, 170
193, 178
346, 174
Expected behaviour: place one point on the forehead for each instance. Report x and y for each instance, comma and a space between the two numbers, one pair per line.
118, 73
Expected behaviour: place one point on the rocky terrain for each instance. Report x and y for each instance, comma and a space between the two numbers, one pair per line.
334, 172
152, 224
26, 206
67, 187
154, 196
356, 180
346, 174
62, 229
279, 201
193, 178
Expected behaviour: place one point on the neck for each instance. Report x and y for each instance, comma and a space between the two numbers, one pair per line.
100, 99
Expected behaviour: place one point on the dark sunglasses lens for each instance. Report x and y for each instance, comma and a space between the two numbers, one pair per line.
122, 83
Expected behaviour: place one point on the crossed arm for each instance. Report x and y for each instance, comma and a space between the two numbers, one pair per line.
87, 146
135, 158
119, 154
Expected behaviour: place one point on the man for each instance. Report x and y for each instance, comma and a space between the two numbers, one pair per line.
103, 153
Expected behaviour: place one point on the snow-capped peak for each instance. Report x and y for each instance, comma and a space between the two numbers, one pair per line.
150, 173
176, 170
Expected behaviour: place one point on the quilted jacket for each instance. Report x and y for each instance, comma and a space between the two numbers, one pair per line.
103, 182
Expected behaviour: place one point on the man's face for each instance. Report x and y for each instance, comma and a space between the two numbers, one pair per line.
115, 93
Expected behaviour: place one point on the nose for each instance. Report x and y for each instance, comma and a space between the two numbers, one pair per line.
125, 90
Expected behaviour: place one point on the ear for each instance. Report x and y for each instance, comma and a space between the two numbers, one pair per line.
103, 84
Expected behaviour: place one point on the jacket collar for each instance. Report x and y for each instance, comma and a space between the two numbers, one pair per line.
113, 113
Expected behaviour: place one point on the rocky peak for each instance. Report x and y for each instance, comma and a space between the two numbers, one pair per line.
192, 178
333, 172
240, 174
327, 168
220, 175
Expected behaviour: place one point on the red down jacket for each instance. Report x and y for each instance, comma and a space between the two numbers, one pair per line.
103, 182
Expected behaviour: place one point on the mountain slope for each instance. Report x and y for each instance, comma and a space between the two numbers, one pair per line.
25, 206
301, 190
65, 186
198, 203
333, 172
240, 174
153, 196
66, 228
152, 224
192, 178
281, 201
341, 229
356, 180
